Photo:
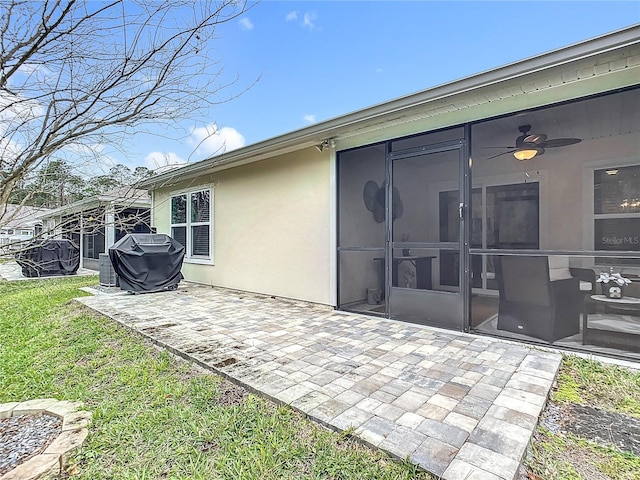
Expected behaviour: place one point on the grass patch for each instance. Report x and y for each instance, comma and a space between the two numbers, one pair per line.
156, 416
608, 387
566, 457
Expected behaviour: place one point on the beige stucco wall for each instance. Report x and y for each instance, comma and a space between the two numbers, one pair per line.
271, 227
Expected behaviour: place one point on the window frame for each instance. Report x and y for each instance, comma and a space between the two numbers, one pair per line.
593, 217
189, 224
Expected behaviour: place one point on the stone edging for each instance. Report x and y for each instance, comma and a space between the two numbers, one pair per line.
51, 462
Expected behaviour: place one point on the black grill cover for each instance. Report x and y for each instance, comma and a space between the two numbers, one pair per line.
147, 262
49, 257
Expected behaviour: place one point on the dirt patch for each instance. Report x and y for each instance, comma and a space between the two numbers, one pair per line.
158, 328
230, 394
211, 347
604, 428
226, 362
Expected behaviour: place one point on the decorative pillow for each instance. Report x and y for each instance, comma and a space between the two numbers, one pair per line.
559, 274
585, 286
559, 267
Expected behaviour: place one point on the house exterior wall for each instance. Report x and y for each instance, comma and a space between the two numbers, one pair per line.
274, 220
271, 226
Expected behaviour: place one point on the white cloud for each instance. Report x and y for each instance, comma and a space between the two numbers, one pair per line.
19, 109
210, 140
246, 24
161, 162
309, 20
310, 118
41, 71
9, 151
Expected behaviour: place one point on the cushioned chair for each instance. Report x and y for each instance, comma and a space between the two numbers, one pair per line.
538, 301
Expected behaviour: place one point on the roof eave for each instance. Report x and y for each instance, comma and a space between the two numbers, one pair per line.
96, 201
314, 134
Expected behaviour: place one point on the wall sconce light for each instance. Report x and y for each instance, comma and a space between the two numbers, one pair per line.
525, 153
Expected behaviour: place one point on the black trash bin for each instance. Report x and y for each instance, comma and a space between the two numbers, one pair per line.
147, 262
49, 257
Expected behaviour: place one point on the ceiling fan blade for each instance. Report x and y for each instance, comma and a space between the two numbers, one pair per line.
560, 142
503, 153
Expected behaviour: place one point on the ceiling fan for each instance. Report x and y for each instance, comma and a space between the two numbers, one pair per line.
528, 145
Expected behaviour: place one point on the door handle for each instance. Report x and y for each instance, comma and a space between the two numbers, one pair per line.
461, 210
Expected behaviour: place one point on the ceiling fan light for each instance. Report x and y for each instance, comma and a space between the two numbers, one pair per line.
525, 153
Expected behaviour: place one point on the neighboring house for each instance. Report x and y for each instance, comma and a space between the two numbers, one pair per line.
408, 209
96, 223
18, 226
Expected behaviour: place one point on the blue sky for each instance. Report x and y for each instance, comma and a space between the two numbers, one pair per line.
308, 61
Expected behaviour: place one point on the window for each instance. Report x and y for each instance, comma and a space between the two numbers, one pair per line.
191, 222
616, 208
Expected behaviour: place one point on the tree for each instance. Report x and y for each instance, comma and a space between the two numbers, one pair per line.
76, 75
118, 176
53, 185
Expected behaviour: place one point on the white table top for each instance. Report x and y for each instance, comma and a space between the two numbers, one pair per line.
621, 301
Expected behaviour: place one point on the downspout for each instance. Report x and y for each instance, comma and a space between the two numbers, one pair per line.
81, 240
152, 219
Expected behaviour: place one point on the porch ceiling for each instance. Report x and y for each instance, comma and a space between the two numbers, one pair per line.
602, 117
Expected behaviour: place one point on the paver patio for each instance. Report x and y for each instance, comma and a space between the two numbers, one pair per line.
458, 405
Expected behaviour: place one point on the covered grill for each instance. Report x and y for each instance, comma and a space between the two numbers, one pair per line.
147, 262
50, 257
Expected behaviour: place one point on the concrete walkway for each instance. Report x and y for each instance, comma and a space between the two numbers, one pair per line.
460, 406
12, 272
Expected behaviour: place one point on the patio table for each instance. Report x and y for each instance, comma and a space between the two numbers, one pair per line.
611, 338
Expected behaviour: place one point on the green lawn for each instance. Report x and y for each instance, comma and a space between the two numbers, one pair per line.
565, 456
156, 416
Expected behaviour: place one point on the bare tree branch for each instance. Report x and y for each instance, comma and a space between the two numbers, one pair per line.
79, 73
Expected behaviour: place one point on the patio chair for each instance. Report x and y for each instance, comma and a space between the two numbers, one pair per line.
535, 303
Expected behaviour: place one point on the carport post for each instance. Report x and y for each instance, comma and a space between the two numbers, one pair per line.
109, 227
